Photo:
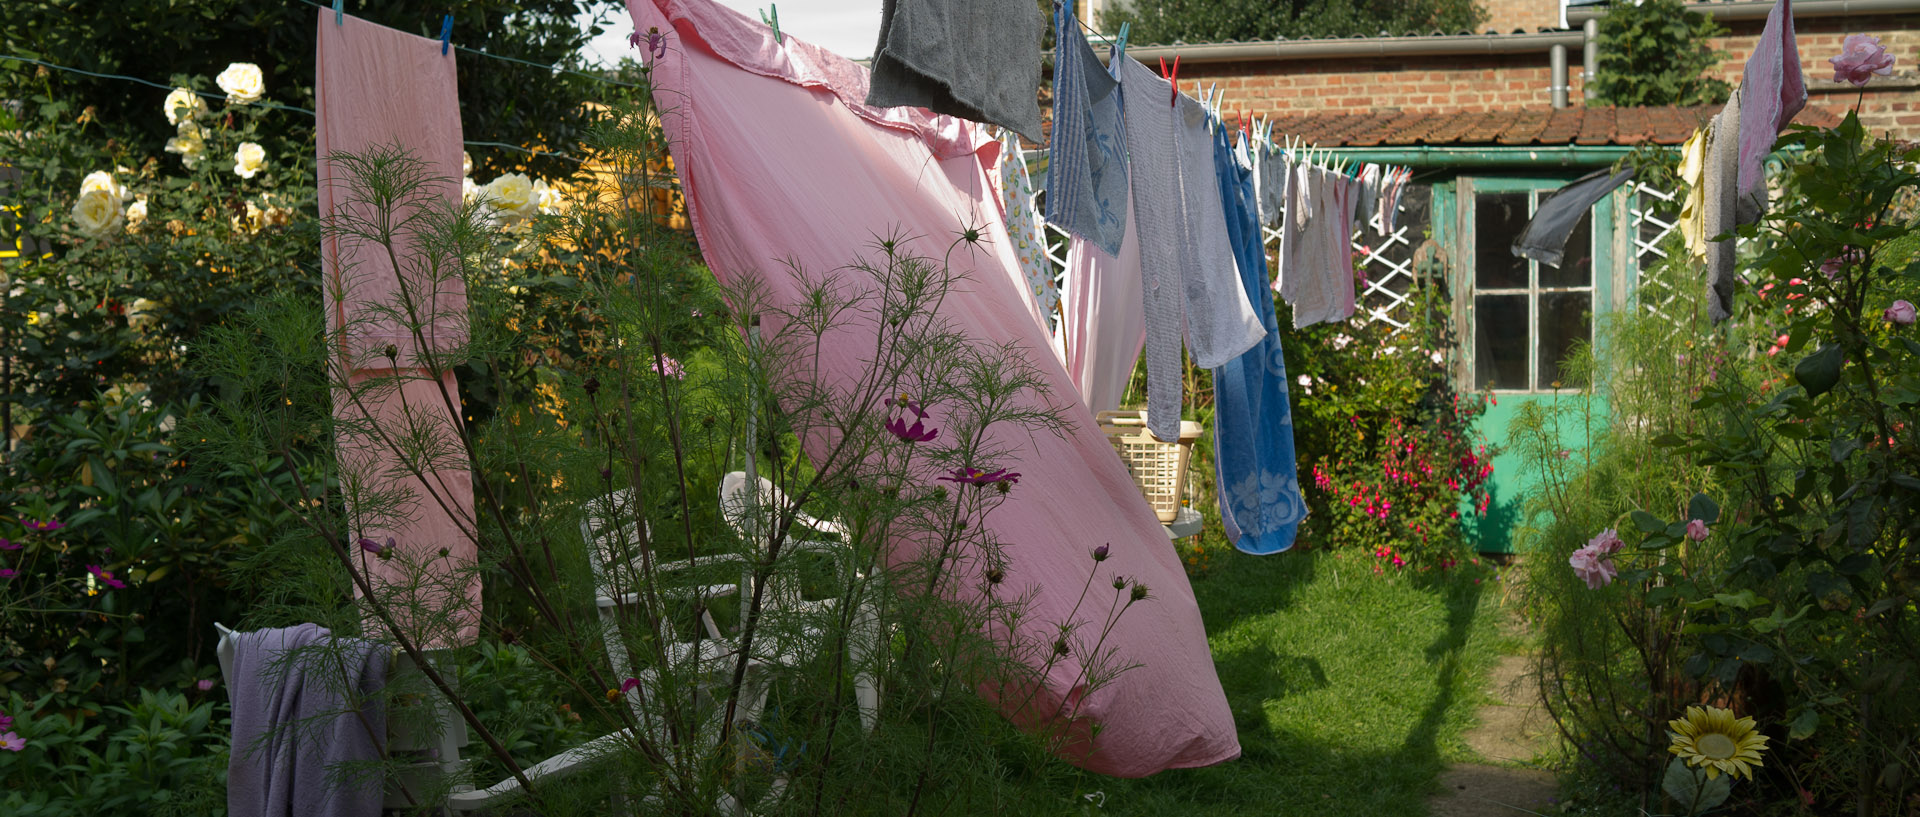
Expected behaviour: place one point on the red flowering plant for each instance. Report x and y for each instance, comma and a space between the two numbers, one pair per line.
1389, 457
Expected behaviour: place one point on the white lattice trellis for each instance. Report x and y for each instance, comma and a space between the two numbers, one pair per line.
1653, 216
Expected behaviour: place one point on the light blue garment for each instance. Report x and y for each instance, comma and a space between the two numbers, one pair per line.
1260, 499
1087, 177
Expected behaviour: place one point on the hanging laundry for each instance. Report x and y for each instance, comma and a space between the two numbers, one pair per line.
376, 88
781, 160
1275, 171
1260, 499
1185, 260
1389, 203
1722, 206
1102, 326
1367, 196
1544, 239
1023, 225
1087, 161
295, 727
975, 59
1772, 90
1318, 242
1693, 208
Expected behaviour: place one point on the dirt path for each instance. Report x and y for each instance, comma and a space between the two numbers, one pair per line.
1513, 733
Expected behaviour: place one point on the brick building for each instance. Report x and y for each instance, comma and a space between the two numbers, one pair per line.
1478, 116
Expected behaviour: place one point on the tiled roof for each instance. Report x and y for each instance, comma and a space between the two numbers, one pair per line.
1666, 125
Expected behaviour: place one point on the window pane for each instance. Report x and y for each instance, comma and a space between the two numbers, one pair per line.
1500, 341
1498, 219
1564, 322
1576, 264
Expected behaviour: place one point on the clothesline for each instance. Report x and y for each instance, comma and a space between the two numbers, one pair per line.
268, 105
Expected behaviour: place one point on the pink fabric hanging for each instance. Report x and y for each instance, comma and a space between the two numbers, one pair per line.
780, 159
1104, 327
375, 87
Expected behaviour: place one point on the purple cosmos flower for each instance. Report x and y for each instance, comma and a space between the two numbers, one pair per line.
106, 577
48, 526
653, 41
204, 684
916, 433
1900, 313
1861, 56
12, 742
629, 684
975, 476
7, 544
383, 550
6, 722
7, 573
1697, 530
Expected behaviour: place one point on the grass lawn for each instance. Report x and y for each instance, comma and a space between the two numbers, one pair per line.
1350, 690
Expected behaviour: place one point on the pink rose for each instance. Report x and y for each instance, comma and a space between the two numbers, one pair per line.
1697, 530
1592, 567
1833, 266
1901, 313
1606, 544
1861, 56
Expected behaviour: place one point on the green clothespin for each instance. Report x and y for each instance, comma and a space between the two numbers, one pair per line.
773, 21
1120, 42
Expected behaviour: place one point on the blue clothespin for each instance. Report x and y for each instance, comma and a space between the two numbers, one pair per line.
773, 22
339, 17
446, 34
1120, 42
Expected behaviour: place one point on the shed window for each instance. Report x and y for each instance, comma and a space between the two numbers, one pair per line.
1527, 316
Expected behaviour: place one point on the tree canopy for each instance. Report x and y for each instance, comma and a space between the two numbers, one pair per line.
1657, 53
1194, 21
160, 40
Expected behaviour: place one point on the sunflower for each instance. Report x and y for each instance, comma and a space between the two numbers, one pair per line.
1711, 737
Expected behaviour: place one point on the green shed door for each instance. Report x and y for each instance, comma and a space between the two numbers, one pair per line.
1519, 318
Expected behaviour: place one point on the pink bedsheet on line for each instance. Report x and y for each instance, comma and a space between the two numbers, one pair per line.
1105, 324
780, 160
376, 87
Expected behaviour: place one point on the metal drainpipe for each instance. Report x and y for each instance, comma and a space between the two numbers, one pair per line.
1557, 59
1590, 57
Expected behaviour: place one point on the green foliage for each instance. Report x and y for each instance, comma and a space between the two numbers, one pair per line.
1205, 21
157, 39
1789, 435
1656, 53
165, 754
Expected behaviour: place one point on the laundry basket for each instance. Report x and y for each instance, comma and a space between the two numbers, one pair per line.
1157, 466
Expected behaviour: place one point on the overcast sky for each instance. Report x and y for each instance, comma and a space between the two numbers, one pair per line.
845, 27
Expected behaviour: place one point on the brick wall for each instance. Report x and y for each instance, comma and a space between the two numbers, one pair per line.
1482, 82
1413, 84
1526, 15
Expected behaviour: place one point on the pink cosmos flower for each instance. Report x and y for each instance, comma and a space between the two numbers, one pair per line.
653, 41
1697, 530
7, 544
106, 577
204, 684
1592, 567
1861, 56
975, 476
6, 723
7, 573
48, 526
1607, 543
1900, 313
12, 742
669, 367
916, 433
629, 684
382, 550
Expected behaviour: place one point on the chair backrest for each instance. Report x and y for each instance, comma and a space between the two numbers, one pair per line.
743, 509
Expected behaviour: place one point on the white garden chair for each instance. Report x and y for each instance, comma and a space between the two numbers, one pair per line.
743, 510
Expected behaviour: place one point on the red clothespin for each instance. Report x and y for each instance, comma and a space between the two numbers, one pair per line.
1246, 127
1173, 78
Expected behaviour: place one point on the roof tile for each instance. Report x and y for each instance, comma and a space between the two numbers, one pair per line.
1663, 125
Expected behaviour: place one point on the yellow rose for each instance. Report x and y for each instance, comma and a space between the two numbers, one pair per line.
140, 314
103, 181
191, 144
252, 222
511, 194
466, 163
468, 191
136, 214
548, 198
242, 82
251, 158
183, 105
96, 212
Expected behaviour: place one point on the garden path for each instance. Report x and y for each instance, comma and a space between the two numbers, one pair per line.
1513, 732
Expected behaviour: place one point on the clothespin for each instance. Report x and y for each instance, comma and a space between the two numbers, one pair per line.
1120, 42
339, 17
1173, 78
771, 16
446, 34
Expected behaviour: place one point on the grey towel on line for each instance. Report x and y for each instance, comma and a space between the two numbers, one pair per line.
1545, 237
293, 730
1722, 199
1087, 190
975, 59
